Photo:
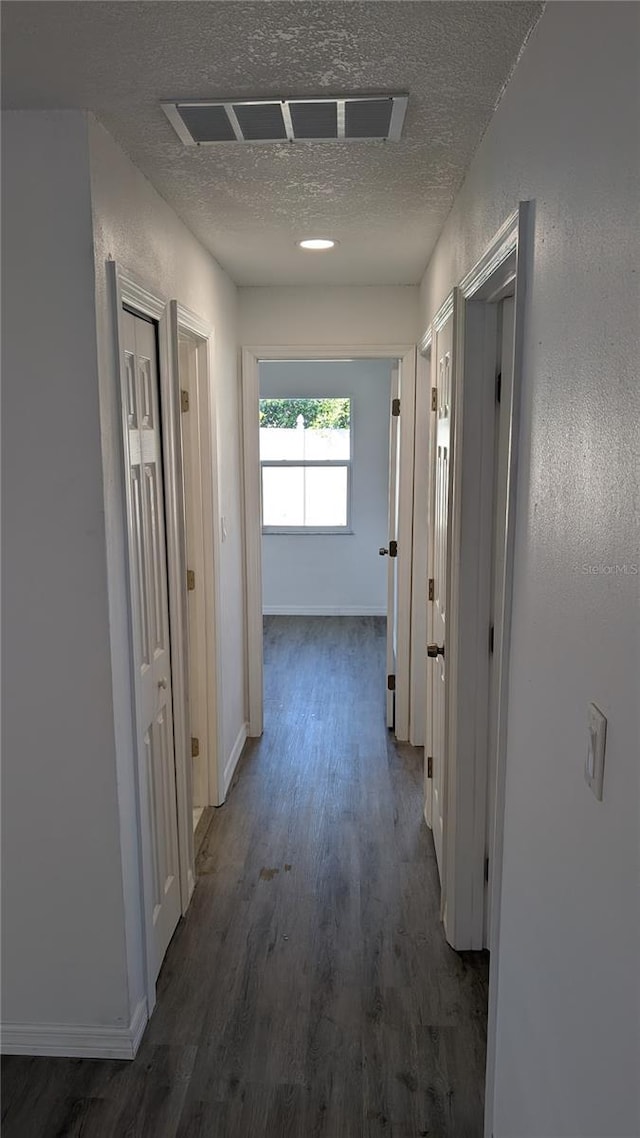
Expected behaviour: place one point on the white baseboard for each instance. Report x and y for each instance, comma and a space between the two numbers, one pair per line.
137, 1026
323, 610
77, 1041
232, 761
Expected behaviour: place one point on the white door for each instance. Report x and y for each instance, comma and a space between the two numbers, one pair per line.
148, 566
441, 473
391, 550
429, 592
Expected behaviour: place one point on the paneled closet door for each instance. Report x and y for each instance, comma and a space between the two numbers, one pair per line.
148, 558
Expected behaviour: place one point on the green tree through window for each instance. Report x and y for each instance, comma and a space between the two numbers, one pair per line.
318, 414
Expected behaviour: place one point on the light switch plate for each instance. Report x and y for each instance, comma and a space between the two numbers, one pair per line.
594, 765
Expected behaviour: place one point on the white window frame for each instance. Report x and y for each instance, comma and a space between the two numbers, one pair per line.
313, 530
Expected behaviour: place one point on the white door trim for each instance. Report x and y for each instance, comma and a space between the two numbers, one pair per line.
250, 380
127, 289
190, 324
518, 234
468, 641
424, 425
501, 266
393, 489
251, 357
425, 444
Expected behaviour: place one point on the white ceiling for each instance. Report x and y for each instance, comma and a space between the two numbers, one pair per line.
385, 203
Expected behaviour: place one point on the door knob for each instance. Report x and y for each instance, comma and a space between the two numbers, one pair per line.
434, 650
382, 551
163, 682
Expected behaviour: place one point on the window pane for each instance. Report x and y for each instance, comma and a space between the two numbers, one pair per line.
281, 443
326, 496
304, 496
310, 429
323, 445
283, 496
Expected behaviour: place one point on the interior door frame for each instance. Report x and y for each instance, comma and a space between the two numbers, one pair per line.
395, 454
513, 243
451, 309
501, 269
127, 289
424, 427
420, 633
188, 324
502, 266
251, 359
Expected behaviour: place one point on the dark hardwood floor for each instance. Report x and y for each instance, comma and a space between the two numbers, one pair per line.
310, 992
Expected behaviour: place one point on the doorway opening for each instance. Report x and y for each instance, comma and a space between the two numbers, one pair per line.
329, 454
473, 349
328, 515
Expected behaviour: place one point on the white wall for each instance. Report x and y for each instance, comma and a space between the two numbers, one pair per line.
72, 938
63, 925
566, 136
336, 573
356, 316
136, 227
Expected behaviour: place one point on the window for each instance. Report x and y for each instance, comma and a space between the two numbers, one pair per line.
305, 458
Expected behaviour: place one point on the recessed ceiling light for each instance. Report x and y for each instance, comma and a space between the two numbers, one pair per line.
318, 244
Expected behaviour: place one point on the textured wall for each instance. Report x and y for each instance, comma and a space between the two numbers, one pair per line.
63, 958
136, 227
69, 798
340, 573
316, 315
566, 136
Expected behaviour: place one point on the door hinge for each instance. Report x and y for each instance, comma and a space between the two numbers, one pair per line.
184, 400
429, 766
434, 398
486, 869
432, 588
195, 747
395, 407
491, 640
393, 549
191, 580
498, 386
391, 683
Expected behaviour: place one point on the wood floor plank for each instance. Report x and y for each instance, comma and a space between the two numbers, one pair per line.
310, 992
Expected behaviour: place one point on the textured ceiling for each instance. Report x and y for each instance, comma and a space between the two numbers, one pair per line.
385, 203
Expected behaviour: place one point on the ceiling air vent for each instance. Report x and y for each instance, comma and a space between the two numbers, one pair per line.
201, 122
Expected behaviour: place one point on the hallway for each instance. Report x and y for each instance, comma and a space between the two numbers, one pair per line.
310, 991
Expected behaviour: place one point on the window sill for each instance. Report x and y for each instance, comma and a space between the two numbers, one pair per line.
307, 531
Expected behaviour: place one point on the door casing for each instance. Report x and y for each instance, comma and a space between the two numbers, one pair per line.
498, 273
392, 535
187, 325
420, 572
251, 358
127, 289
442, 610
